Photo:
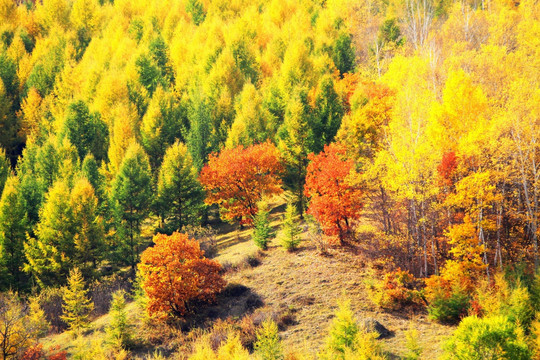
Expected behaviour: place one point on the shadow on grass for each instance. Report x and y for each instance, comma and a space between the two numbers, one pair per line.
235, 301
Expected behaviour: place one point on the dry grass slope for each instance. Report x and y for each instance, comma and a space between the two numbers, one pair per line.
307, 287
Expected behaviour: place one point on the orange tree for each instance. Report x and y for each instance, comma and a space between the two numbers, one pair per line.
174, 273
236, 179
335, 200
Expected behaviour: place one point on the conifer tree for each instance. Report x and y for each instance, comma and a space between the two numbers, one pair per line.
162, 124
13, 227
50, 255
36, 318
88, 226
132, 196
198, 140
342, 333
86, 131
119, 330
4, 169
290, 230
343, 54
327, 115
76, 305
295, 141
180, 195
268, 345
262, 230
90, 171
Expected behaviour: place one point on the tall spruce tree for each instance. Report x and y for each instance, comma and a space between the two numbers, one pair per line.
295, 141
86, 131
262, 231
88, 226
76, 305
50, 255
132, 196
290, 230
180, 195
13, 227
4, 169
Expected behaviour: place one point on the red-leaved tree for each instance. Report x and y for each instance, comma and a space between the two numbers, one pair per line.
175, 273
335, 201
236, 179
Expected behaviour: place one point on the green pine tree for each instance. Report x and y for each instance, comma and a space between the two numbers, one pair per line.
90, 170
295, 143
268, 345
343, 54
262, 231
88, 226
119, 331
199, 136
327, 115
290, 230
86, 131
36, 318
13, 227
4, 169
343, 332
50, 256
132, 196
180, 195
76, 305
196, 9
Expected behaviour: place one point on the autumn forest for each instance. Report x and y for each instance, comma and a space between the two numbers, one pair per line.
252, 179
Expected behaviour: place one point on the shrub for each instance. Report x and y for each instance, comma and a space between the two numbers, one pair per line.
232, 349
347, 340
414, 350
268, 345
50, 300
315, 234
290, 230
398, 289
175, 273
36, 352
489, 338
505, 298
446, 303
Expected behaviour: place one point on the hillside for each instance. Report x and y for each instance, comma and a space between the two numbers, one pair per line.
150, 150
299, 290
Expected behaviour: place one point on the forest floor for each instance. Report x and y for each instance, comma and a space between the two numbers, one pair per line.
304, 285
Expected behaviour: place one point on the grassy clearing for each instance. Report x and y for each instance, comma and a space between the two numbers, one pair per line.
304, 285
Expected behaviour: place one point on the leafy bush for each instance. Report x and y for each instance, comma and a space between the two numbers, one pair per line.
398, 289
206, 236
175, 273
37, 352
489, 338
